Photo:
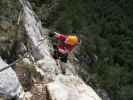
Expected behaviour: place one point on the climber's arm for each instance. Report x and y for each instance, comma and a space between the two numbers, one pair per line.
60, 37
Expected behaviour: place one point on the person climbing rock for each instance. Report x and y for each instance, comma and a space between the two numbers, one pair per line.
65, 47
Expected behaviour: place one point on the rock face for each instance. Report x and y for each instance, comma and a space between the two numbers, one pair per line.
39, 48
9, 83
70, 88
59, 87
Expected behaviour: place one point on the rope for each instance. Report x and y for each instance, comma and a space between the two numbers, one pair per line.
18, 60
13, 63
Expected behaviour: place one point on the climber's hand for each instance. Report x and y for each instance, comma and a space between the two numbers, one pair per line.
51, 34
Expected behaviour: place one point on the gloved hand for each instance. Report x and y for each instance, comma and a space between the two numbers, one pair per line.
51, 34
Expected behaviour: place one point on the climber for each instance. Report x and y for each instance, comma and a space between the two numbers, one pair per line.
64, 48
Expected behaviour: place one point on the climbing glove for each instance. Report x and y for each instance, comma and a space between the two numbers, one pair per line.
51, 34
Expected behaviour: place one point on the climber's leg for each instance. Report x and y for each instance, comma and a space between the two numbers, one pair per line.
63, 58
56, 53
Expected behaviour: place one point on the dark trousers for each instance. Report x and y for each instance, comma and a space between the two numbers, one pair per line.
58, 55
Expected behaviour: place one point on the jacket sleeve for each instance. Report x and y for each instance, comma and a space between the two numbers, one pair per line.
60, 37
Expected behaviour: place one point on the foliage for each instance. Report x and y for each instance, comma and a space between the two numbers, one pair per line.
10, 31
26, 73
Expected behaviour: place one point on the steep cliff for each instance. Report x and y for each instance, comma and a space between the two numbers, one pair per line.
36, 70
58, 86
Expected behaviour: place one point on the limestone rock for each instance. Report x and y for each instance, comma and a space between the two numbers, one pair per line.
70, 88
9, 83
